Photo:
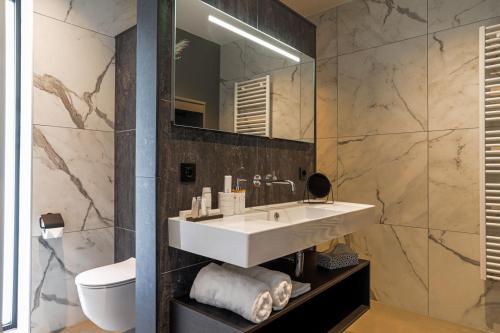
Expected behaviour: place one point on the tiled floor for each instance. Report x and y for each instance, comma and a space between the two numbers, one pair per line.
379, 319
384, 319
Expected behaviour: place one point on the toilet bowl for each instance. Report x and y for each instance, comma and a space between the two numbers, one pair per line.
107, 295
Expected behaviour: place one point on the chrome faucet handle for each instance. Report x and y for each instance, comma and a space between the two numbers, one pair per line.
269, 178
257, 180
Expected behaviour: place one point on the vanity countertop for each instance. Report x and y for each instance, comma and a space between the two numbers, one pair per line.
268, 232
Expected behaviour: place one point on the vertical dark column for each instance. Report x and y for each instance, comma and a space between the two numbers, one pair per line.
145, 180
125, 63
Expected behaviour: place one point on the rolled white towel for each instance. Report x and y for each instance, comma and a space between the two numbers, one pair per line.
279, 283
229, 290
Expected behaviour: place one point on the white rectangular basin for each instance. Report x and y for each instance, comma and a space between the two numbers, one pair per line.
268, 232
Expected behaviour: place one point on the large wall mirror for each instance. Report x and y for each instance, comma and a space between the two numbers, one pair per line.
232, 77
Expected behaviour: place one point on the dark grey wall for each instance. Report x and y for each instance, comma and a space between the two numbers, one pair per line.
125, 85
216, 154
197, 74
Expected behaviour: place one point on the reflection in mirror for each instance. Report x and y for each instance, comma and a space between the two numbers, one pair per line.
232, 77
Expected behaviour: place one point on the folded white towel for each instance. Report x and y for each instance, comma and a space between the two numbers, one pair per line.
279, 283
226, 289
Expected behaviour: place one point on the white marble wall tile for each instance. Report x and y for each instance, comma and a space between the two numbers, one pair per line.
454, 180
326, 160
389, 171
73, 175
456, 292
399, 266
55, 263
226, 100
73, 79
367, 23
233, 60
326, 98
259, 60
285, 103
453, 78
307, 77
384, 90
109, 17
326, 33
444, 14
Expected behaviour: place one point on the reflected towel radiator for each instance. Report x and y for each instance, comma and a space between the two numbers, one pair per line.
489, 133
252, 106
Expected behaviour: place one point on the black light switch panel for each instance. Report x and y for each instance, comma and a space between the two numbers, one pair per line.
302, 173
188, 172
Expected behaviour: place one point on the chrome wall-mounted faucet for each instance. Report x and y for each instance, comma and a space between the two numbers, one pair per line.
271, 179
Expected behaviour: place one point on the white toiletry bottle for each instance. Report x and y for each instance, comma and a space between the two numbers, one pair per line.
228, 182
203, 207
206, 193
194, 208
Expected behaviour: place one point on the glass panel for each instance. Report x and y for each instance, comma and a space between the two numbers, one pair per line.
231, 77
10, 166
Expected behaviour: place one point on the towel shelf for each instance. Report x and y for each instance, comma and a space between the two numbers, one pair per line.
337, 298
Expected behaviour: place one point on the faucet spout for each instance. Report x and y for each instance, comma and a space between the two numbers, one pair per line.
285, 182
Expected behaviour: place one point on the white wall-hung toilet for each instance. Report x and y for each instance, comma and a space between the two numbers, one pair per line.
107, 295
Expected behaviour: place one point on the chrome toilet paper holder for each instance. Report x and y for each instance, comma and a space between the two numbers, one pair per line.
52, 225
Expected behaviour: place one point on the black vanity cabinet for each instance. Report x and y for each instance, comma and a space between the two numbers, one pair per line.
337, 298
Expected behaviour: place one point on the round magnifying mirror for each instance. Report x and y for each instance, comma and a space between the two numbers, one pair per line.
319, 185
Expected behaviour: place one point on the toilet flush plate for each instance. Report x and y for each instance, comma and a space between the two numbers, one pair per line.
268, 232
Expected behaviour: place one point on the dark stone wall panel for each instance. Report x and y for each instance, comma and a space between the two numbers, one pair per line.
244, 10
284, 24
125, 179
124, 244
125, 79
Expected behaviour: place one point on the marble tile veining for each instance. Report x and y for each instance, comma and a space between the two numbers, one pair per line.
55, 264
226, 109
453, 78
326, 33
369, 23
285, 101
73, 86
74, 176
389, 171
262, 60
454, 180
444, 14
399, 265
109, 17
326, 160
326, 98
307, 114
233, 60
384, 90
456, 292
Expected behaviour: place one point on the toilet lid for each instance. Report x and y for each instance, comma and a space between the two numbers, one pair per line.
108, 276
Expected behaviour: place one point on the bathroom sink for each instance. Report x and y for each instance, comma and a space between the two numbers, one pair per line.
268, 232
293, 215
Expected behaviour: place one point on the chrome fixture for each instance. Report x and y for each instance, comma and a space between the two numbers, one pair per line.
257, 180
299, 263
272, 179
